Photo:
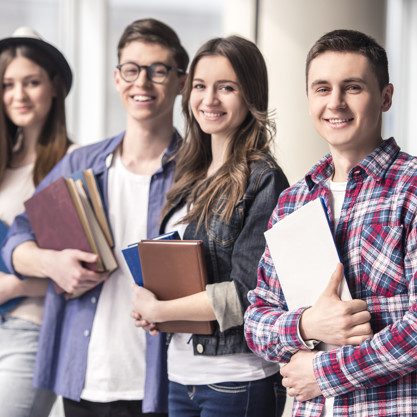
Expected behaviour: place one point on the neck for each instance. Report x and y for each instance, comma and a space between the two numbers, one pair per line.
218, 151
142, 147
27, 155
344, 160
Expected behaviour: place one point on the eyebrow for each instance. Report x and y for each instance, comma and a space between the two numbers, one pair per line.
218, 81
345, 81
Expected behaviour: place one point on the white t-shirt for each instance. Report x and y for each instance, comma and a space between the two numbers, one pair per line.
15, 188
116, 353
338, 191
201, 369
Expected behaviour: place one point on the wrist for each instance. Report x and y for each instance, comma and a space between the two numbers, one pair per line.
305, 326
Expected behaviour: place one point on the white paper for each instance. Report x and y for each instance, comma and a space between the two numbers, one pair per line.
304, 254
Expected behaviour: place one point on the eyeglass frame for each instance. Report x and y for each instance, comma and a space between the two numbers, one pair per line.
149, 70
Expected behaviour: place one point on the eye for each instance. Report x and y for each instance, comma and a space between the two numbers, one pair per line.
198, 86
322, 90
34, 82
7, 86
353, 88
159, 70
227, 88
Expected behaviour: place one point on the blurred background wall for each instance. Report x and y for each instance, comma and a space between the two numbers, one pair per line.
87, 32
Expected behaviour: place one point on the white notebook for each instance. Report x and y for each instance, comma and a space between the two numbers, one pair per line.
304, 254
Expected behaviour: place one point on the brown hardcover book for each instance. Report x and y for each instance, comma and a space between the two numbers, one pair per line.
173, 269
62, 218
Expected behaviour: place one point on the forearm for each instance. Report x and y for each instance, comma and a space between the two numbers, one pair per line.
13, 287
196, 307
29, 260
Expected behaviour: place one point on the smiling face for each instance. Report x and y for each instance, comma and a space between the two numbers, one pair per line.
345, 101
216, 99
145, 101
27, 93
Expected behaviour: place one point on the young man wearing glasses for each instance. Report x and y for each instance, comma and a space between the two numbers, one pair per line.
89, 351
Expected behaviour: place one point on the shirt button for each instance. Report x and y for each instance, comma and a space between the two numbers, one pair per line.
93, 300
200, 348
86, 333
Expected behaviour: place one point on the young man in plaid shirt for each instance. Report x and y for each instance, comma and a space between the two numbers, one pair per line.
370, 187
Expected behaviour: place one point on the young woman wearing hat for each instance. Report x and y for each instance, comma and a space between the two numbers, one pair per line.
35, 79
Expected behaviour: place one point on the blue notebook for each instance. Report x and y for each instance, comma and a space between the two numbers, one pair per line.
8, 305
131, 255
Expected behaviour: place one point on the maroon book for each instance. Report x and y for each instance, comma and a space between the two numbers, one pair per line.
55, 220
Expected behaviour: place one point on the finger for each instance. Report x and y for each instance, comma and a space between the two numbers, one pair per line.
357, 340
86, 256
356, 306
285, 382
360, 330
362, 317
291, 392
335, 281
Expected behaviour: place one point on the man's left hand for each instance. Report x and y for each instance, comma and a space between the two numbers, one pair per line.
298, 376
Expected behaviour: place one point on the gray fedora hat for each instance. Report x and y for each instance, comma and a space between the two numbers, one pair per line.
27, 36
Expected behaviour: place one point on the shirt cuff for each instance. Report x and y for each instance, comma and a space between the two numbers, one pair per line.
226, 305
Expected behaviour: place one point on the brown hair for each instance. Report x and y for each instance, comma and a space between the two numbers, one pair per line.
343, 40
251, 140
53, 141
154, 31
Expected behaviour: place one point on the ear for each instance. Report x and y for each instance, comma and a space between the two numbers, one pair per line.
181, 84
387, 93
116, 78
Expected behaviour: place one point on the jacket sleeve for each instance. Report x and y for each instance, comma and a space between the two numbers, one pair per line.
268, 183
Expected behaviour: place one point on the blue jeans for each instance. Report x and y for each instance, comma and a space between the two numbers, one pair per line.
18, 345
231, 399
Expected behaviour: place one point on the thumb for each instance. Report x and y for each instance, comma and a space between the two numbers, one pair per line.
335, 281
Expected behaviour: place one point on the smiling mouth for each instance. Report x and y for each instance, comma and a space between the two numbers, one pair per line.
338, 122
212, 115
141, 98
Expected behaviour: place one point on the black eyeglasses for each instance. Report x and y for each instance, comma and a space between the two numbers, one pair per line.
156, 73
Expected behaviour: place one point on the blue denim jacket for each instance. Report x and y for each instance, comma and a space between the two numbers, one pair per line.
233, 250
65, 333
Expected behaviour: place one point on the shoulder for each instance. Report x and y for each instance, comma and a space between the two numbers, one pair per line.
264, 168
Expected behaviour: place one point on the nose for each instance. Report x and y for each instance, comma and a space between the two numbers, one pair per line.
142, 78
19, 92
210, 97
337, 99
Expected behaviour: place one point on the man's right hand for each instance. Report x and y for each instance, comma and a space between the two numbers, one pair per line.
336, 322
66, 269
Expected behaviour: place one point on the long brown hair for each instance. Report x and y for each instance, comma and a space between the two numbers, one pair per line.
53, 141
218, 194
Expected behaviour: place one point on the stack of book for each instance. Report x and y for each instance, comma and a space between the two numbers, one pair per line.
69, 214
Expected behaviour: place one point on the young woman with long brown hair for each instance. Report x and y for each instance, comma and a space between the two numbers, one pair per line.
225, 186
35, 79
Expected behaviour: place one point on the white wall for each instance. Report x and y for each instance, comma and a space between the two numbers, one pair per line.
287, 31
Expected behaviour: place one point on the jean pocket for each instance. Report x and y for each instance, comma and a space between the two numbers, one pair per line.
229, 387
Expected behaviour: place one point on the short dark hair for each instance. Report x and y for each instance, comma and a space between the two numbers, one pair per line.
154, 31
344, 40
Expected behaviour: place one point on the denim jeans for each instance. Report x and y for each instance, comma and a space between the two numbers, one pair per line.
231, 399
18, 345
85, 408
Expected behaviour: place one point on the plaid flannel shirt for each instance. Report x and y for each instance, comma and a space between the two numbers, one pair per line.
377, 241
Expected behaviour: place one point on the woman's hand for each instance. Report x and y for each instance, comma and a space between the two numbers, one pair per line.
144, 310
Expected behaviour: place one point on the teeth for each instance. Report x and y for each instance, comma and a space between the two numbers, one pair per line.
338, 121
142, 98
212, 114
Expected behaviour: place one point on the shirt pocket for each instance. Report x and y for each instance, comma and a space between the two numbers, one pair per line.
382, 259
223, 233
